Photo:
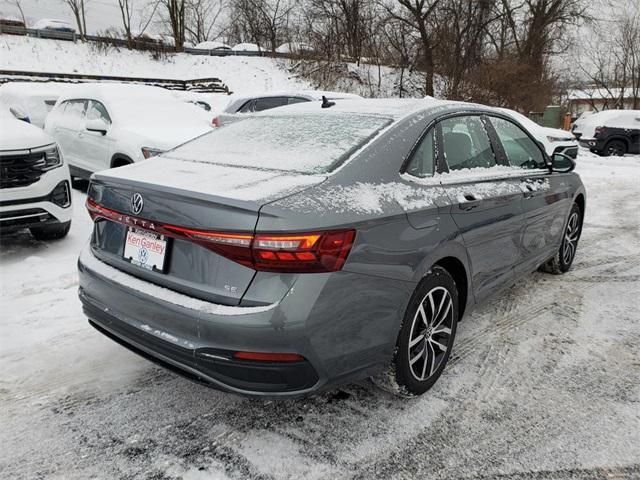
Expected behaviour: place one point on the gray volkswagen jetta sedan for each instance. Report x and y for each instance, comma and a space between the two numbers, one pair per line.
306, 247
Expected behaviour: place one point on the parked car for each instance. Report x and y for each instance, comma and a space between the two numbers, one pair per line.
212, 45
35, 190
35, 99
106, 125
305, 247
257, 102
610, 132
54, 24
15, 26
295, 48
247, 47
554, 140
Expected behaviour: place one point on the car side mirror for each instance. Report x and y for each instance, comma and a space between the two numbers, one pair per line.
562, 163
19, 114
97, 125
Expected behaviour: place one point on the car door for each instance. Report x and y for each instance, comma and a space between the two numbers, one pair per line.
485, 202
546, 196
67, 127
96, 146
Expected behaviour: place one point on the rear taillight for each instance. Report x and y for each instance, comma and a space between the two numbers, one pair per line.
215, 122
308, 252
271, 252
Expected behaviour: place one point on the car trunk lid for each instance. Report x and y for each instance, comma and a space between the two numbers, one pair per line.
189, 195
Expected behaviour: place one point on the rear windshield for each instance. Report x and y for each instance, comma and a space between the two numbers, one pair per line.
294, 143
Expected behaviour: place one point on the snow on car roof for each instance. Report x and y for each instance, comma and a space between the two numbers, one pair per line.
393, 108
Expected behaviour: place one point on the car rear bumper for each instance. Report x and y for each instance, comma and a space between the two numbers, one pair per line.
198, 339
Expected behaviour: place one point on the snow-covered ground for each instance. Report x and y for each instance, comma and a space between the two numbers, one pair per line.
240, 74
544, 381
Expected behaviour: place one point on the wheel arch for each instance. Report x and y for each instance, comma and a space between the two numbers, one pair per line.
621, 138
119, 160
458, 271
580, 200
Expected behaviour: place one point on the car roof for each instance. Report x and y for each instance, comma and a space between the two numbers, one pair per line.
395, 108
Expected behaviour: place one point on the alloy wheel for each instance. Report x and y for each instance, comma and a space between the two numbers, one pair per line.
430, 336
571, 235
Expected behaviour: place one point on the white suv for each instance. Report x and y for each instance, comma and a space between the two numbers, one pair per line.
35, 190
102, 125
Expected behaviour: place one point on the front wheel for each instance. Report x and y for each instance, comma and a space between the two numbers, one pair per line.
615, 148
562, 260
426, 337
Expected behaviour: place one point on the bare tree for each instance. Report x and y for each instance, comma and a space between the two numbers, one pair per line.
419, 15
18, 5
202, 17
175, 18
611, 62
78, 9
265, 22
126, 11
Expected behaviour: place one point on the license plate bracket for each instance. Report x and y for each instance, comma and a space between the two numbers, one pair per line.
146, 249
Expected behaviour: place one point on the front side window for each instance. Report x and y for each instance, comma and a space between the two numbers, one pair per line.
466, 143
97, 111
422, 162
293, 100
520, 149
74, 109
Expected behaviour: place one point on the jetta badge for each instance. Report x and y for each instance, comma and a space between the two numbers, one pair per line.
137, 204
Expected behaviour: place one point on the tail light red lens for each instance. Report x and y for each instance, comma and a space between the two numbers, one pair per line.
282, 252
215, 122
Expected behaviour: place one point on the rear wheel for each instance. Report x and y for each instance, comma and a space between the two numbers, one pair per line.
51, 232
615, 148
562, 260
426, 337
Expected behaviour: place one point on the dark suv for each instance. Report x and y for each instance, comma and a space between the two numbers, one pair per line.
611, 132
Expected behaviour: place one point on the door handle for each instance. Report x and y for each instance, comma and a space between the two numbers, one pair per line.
469, 201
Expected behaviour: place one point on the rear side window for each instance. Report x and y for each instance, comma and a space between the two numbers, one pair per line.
267, 103
422, 161
97, 111
466, 143
520, 149
310, 143
293, 100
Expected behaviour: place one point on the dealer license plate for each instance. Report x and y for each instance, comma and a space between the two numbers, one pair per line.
145, 249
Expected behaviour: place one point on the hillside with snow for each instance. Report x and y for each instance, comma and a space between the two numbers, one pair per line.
240, 74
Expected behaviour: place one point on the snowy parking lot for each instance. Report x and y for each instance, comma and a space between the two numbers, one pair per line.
544, 381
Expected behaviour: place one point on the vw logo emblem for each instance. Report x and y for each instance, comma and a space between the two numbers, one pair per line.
137, 204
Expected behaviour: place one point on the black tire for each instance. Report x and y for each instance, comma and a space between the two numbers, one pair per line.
54, 231
615, 148
563, 259
411, 372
